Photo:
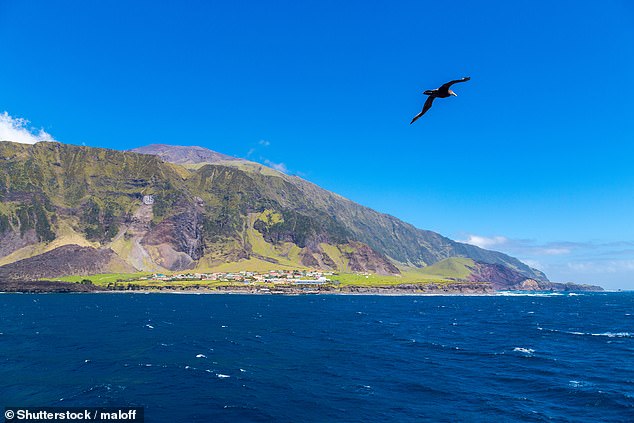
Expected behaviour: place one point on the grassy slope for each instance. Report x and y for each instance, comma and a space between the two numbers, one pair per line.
336, 255
453, 268
239, 164
286, 253
353, 279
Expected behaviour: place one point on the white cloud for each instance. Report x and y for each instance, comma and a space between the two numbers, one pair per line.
484, 242
554, 251
526, 246
280, 167
606, 266
18, 130
264, 143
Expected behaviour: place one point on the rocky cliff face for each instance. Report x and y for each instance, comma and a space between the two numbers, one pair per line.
503, 278
362, 258
499, 276
177, 240
207, 209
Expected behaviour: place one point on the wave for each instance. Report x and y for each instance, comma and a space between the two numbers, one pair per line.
528, 294
528, 351
605, 334
613, 334
579, 384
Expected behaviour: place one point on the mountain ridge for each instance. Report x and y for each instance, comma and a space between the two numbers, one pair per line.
179, 154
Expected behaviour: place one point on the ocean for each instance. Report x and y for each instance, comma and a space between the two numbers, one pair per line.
330, 358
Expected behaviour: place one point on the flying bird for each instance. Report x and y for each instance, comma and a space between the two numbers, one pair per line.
441, 92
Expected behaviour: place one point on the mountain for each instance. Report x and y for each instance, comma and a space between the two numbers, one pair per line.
206, 211
184, 154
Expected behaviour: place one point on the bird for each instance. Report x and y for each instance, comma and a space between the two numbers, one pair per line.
441, 92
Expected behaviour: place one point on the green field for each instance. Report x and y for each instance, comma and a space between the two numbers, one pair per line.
126, 279
106, 278
409, 278
443, 272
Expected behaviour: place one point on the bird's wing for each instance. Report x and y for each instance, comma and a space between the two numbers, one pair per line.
426, 107
455, 81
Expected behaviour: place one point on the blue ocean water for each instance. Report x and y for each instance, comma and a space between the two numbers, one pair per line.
233, 358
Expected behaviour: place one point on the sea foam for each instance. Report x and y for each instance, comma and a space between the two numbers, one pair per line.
524, 350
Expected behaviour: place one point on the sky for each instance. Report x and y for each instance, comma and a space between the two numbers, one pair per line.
533, 158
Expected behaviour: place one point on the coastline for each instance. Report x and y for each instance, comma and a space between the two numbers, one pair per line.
457, 289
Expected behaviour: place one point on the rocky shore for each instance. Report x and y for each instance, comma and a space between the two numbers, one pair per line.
458, 288
431, 289
9, 285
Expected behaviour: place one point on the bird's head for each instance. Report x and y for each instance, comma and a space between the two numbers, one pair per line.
452, 93
428, 92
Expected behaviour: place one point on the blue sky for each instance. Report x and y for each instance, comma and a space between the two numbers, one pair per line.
533, 158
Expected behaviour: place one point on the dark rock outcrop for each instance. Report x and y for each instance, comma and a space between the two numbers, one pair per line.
456, 288
63, 261
365, 259
501, 277
180, 233
35, 287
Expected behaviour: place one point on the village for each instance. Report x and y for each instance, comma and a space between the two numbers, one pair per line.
295, 277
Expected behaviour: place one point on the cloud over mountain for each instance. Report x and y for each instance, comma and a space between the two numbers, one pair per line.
18, 130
